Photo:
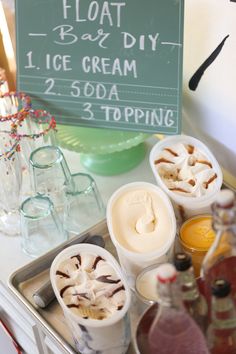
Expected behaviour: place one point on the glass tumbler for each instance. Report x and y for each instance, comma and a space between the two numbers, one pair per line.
11, 181
14, 107
83, 206
196, 236
50, 174
41, 228
37, 128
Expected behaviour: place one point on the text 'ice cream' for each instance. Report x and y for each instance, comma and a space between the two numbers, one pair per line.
186, 170
141, 219
90, 286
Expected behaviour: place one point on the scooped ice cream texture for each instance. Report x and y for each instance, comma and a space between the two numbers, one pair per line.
141, 220
90, 287
186, 170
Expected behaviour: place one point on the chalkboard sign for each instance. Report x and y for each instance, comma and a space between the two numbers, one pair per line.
115, 64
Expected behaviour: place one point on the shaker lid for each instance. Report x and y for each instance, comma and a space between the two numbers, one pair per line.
166, 273
225, 198
182, 261
220, 288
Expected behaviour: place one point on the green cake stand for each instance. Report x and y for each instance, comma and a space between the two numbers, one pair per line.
104, 151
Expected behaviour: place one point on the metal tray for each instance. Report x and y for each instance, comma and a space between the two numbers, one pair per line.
26, 280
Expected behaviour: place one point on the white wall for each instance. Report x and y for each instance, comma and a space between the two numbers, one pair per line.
209, 112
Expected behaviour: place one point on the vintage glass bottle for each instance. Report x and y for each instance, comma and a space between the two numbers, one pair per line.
173, 331
221, 334
10, 190
194, 301
220, 260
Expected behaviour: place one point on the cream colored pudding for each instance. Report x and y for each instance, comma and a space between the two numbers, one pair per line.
141, 220
186, 170
90, 287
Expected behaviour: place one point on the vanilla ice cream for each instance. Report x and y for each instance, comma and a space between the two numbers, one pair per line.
141, 220
89, 286
185, 169
142, 226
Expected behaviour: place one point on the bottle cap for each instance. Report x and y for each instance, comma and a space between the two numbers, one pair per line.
220, 288
225, 198
166, 273
182, 261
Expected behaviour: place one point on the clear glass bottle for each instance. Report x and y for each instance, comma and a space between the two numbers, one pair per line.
173, 331
221, 334
220, 260
194, 301
11, 177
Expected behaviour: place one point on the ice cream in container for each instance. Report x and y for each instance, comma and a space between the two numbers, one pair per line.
95, 297
142, 226
188, 173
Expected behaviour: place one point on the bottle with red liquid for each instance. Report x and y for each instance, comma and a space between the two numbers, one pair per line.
221, 334
173, 331
220, 260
